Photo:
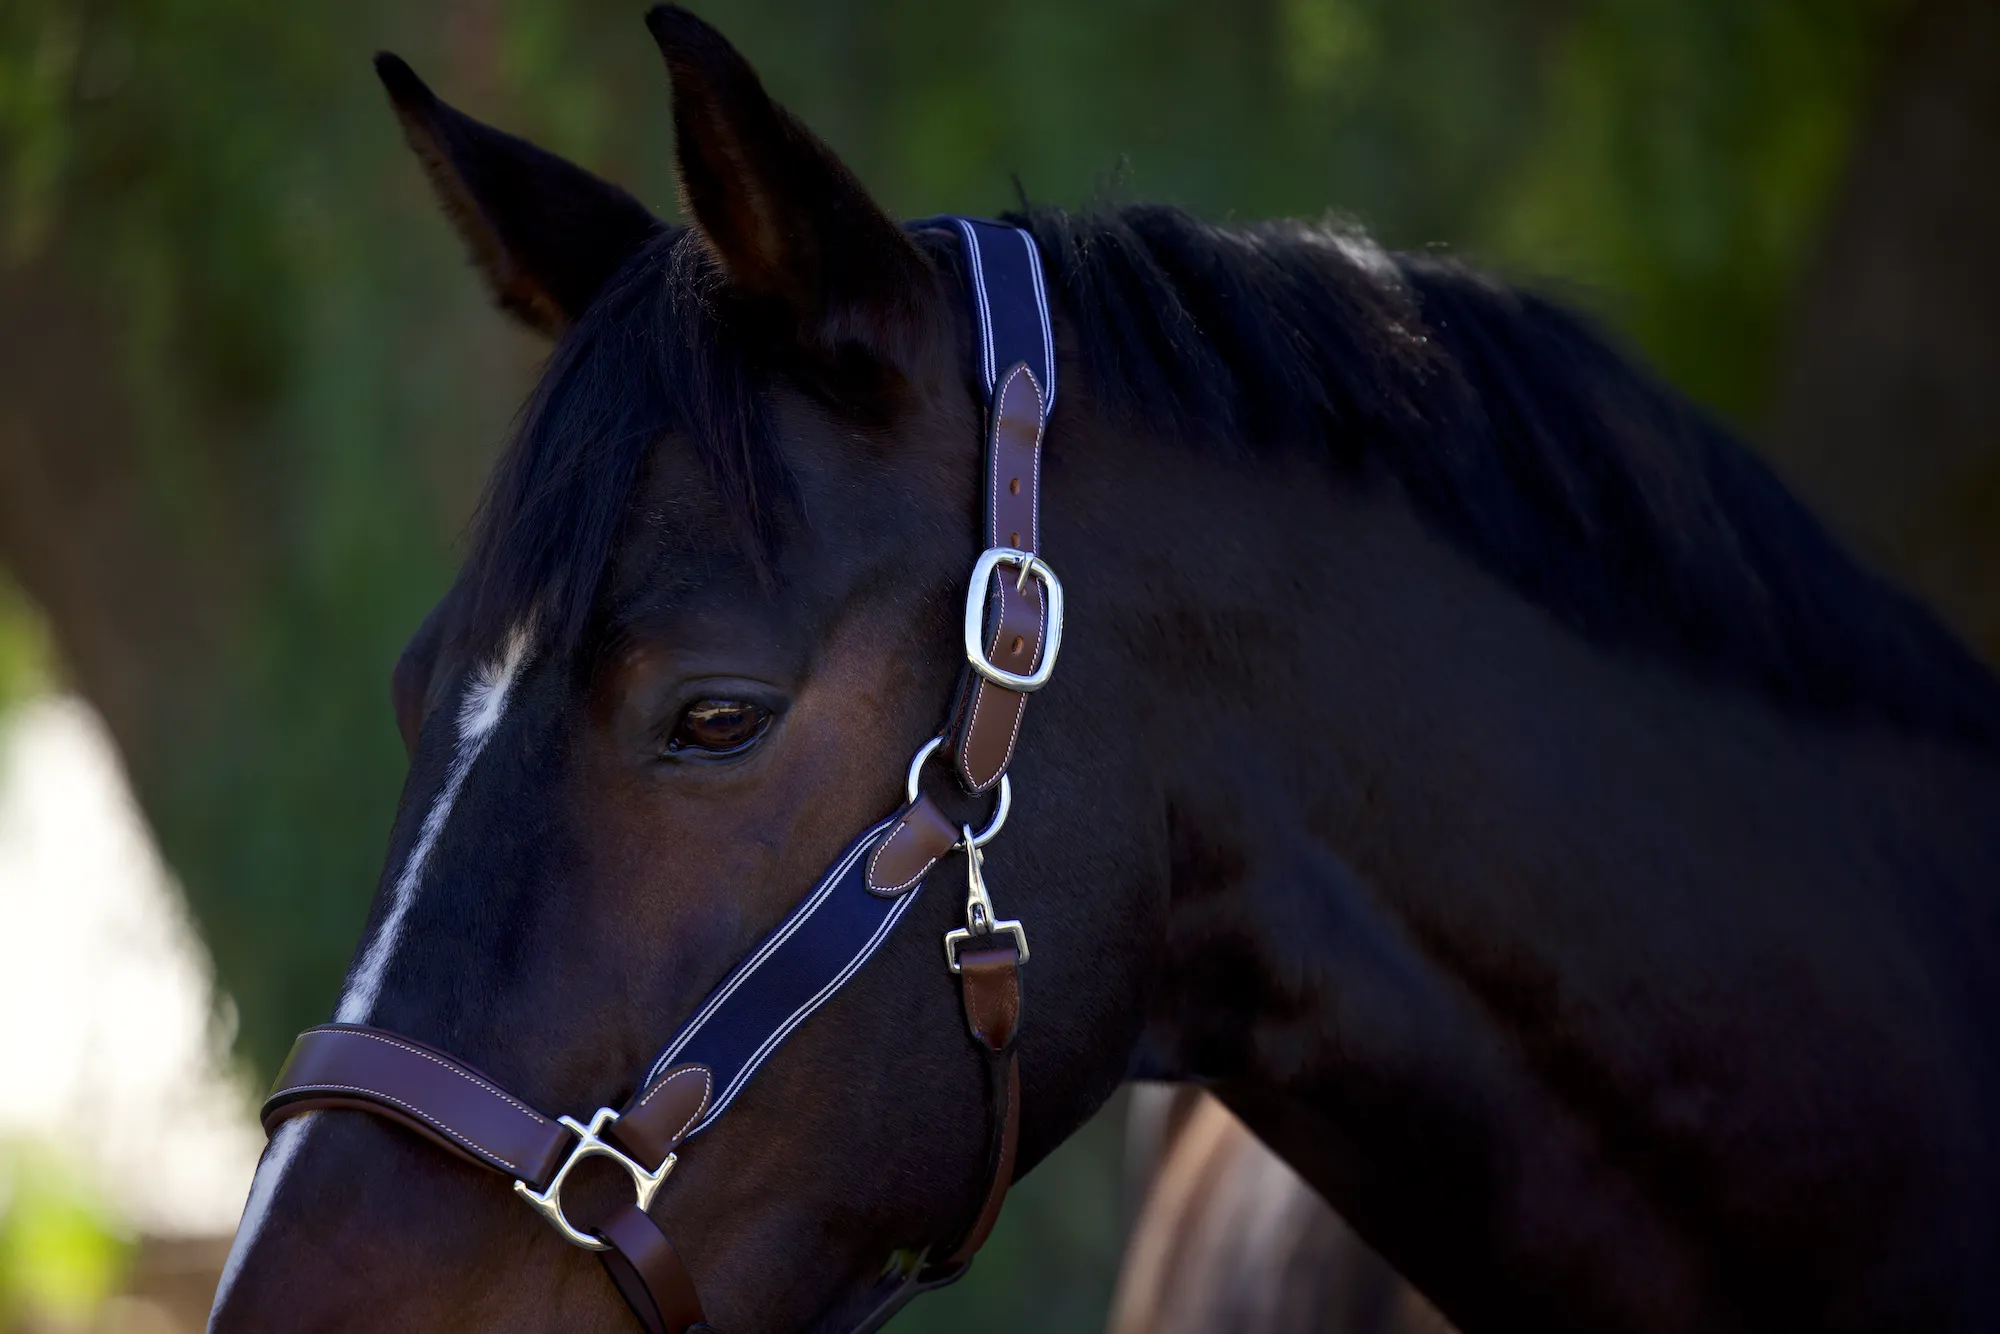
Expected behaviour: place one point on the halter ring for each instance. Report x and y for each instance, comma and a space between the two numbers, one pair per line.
913, 786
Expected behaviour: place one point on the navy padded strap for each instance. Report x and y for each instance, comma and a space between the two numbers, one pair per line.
1010, 303
798, 968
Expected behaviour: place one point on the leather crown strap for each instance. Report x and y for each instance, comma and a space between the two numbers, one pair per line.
1013, 630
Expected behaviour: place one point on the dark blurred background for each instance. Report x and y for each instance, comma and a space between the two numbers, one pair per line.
249, 389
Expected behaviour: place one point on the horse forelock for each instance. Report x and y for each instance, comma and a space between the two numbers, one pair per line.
661, 353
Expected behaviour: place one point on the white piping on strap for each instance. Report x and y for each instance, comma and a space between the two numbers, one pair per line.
985, 310
807, 1010
1048, 333
784, 933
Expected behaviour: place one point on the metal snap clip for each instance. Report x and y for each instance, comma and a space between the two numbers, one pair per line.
980, 923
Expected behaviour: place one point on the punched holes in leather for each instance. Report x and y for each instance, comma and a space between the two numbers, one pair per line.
987, 720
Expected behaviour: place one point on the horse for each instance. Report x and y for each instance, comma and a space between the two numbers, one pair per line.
1466, 761
1229, 1237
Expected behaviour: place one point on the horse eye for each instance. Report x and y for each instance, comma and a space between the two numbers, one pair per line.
719, 726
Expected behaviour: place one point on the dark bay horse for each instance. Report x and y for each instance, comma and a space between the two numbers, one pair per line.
1467, 762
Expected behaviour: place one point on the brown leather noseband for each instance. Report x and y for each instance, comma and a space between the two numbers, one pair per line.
1012, 632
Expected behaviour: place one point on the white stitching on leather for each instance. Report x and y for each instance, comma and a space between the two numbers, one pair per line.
979, 690
462, 1073
707, 1088
902, 827
1034, 459
376, 1095
1034, 539
993, 457
1020, 710
1014, 733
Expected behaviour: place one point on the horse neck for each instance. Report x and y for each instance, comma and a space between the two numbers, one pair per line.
1527, 951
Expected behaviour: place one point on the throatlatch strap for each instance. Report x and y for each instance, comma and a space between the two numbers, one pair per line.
648, 1273
991, 988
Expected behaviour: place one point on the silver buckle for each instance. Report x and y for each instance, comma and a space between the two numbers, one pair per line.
548, 1203
979, 920
1031, 567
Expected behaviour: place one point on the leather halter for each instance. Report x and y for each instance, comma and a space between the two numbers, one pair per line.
1013, 630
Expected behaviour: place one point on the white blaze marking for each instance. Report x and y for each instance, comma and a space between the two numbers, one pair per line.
479, 714
278, 1156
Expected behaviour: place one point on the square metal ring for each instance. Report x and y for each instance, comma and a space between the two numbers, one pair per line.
590, 1144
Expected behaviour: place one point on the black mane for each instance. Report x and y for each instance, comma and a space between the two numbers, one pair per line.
1511, 424
1522, 434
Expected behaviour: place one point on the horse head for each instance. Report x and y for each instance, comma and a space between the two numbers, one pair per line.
711, 614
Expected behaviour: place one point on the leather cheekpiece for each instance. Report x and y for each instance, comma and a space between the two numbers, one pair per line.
987, 719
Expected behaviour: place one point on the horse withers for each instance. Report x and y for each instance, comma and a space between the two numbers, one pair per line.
1465, 760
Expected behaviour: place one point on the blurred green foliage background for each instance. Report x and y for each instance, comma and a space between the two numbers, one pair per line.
61, 1254
249, 390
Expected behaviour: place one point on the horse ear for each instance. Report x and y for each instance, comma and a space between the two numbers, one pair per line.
545, 233
786, 219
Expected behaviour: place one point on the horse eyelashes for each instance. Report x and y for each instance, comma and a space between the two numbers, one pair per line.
718, 727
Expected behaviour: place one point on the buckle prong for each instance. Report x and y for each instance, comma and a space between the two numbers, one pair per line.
1030, 566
